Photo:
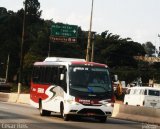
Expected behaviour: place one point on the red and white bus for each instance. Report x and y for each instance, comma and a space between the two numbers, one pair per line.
72, 86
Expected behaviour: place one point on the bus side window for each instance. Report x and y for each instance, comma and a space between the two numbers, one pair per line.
35, 75
42, 74
48, 75
54, 75
63, 83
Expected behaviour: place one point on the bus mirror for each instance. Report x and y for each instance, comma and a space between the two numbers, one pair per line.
62, 77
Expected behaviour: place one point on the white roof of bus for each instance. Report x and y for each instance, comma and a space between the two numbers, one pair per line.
61, 59
66, 61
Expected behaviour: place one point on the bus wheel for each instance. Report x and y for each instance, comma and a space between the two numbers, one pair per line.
43, 112
64, 116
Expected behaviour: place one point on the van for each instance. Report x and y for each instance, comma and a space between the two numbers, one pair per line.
143, 96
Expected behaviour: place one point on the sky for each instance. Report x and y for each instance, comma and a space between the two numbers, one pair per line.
136, 19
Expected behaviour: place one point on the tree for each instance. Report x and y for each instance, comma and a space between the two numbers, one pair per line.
32, 11
149, 48
118, 54
116, 51
3, 11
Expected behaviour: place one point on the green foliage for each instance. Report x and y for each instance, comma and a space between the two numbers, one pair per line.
32, 7
32, 11
24, 88
10, 31
149, 48
127, 74
118, 54
116, 51
3, 11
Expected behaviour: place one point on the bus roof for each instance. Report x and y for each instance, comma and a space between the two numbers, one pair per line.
62, 59
88, 63
71, 61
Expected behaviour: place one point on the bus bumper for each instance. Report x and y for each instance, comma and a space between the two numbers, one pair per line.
83, 110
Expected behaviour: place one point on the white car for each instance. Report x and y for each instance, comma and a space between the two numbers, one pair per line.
143, 96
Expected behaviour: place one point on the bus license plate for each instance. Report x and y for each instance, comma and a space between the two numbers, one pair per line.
89, 113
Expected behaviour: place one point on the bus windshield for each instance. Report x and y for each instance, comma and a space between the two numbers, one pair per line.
89, 79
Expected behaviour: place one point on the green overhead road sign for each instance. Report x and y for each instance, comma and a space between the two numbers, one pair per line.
64, 32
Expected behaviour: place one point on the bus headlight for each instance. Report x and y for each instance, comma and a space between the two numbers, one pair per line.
72, 102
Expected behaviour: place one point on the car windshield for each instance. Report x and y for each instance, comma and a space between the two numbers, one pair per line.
90, 79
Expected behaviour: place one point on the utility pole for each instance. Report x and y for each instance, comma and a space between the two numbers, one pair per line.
21, 56
49, 49
89, 36
7, 69
93, 41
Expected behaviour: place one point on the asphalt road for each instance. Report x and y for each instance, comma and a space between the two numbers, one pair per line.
18, 116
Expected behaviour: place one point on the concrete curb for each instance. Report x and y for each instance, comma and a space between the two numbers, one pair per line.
134, 113
15, 98
24, 98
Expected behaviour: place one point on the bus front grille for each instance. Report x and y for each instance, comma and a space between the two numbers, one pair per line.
87, 111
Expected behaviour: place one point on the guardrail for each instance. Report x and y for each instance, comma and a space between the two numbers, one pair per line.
137, 113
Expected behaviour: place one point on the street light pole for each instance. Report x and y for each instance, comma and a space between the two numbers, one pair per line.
21, 56
89, 35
